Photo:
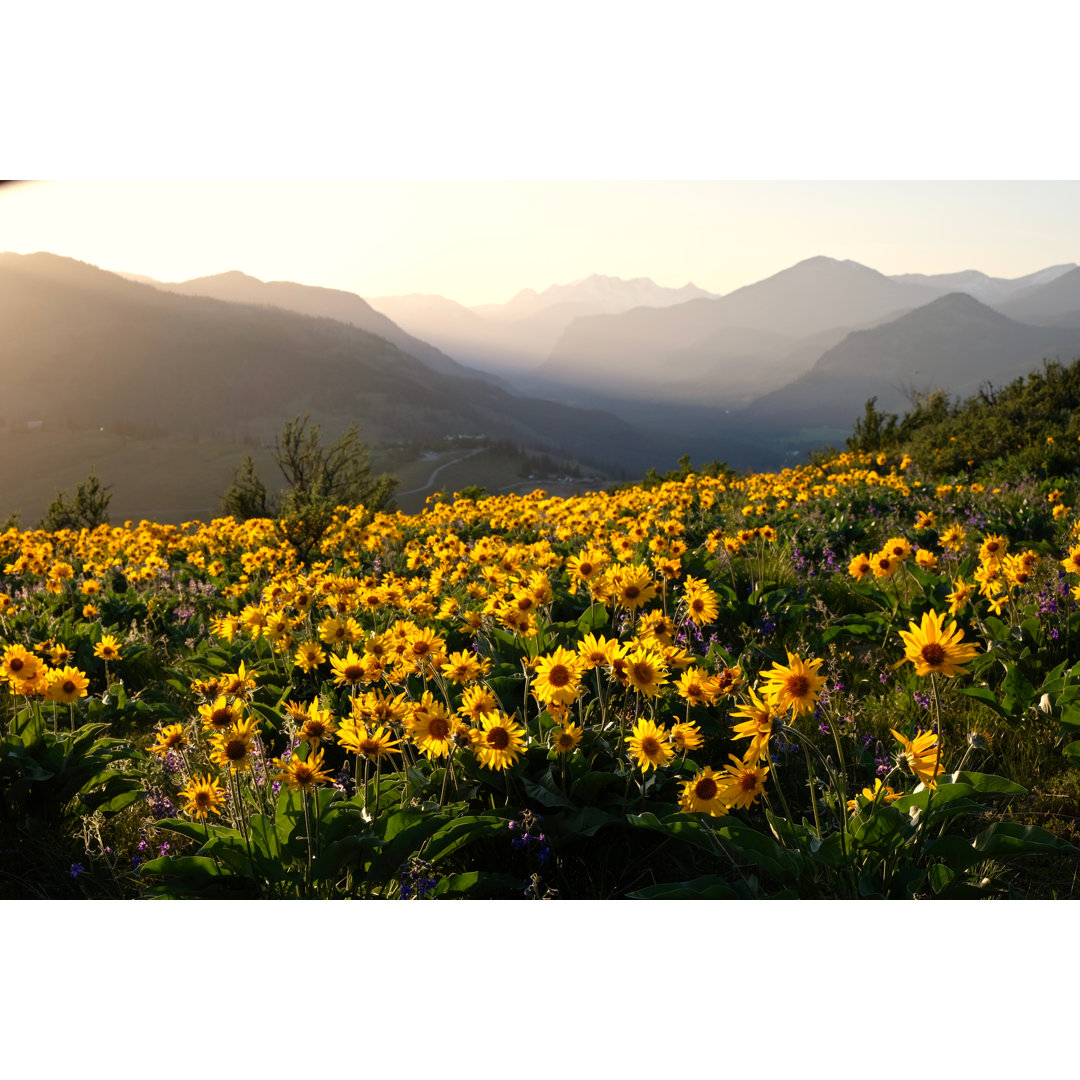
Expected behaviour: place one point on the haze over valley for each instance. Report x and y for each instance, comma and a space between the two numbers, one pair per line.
575, 384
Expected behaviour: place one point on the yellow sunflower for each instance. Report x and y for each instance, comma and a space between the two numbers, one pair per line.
371, 745
558, 677
933, 647
220, 715
705, 794
309, 656
859, 567
303, 775
108, 648
795, 687
649, 745
431, 728
204, 797
171, 737
923, 755
566, 739
232, 749
501, 741
19, 663
745, 782
349, 669
317, 725
646, 672
66, 685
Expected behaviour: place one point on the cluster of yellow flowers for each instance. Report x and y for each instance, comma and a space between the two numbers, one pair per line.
399, 614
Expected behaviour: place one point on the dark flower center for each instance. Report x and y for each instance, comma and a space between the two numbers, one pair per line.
798, 686
933, 654
706, 789
650, 747
498, 738
558, 675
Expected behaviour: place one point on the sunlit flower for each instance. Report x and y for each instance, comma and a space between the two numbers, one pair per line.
566, 739
108, 648
501, 741
303, 775
796, 686
705, 793
933, 647
204, 797
649, 745
922, 755
745, 782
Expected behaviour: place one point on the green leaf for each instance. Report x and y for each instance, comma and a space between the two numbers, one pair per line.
940, 876
592, 621
1070, 716
348, 851
1017, 691
477, 884
687, 829
1072, 752
589, 787
583, 822
186, 865
264, 837
945, 793
546, 794
987, 783
456, 834
981, 693
710, 887
1009, 838
883, 830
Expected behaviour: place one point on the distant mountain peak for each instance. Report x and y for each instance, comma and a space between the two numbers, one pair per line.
229, 275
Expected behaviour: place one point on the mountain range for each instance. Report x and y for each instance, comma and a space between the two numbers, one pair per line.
620, 375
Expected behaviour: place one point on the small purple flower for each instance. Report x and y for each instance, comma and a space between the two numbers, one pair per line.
77, 869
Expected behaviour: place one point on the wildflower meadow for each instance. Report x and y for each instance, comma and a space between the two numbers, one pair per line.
842, 680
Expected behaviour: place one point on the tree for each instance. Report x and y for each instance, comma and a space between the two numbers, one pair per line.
247, 497
318, 480
84, 508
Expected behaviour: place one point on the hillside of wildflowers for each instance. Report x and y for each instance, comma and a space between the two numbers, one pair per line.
842, 680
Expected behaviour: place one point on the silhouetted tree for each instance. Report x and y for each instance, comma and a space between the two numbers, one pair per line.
84, 508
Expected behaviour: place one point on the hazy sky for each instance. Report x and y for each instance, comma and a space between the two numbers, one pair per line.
481, 241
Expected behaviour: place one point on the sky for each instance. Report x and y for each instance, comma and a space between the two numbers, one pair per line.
482, 241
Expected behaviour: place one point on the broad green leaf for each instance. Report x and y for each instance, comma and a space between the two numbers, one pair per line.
986, 696
1009, 838
592, 621
1017, 691
987, 783
456, 834
477, 884
710, 887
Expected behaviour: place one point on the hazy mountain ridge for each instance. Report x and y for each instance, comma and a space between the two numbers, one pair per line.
1055, 303
513, 337
318, 302
954, 343
600, 292
108, 351
988, 290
